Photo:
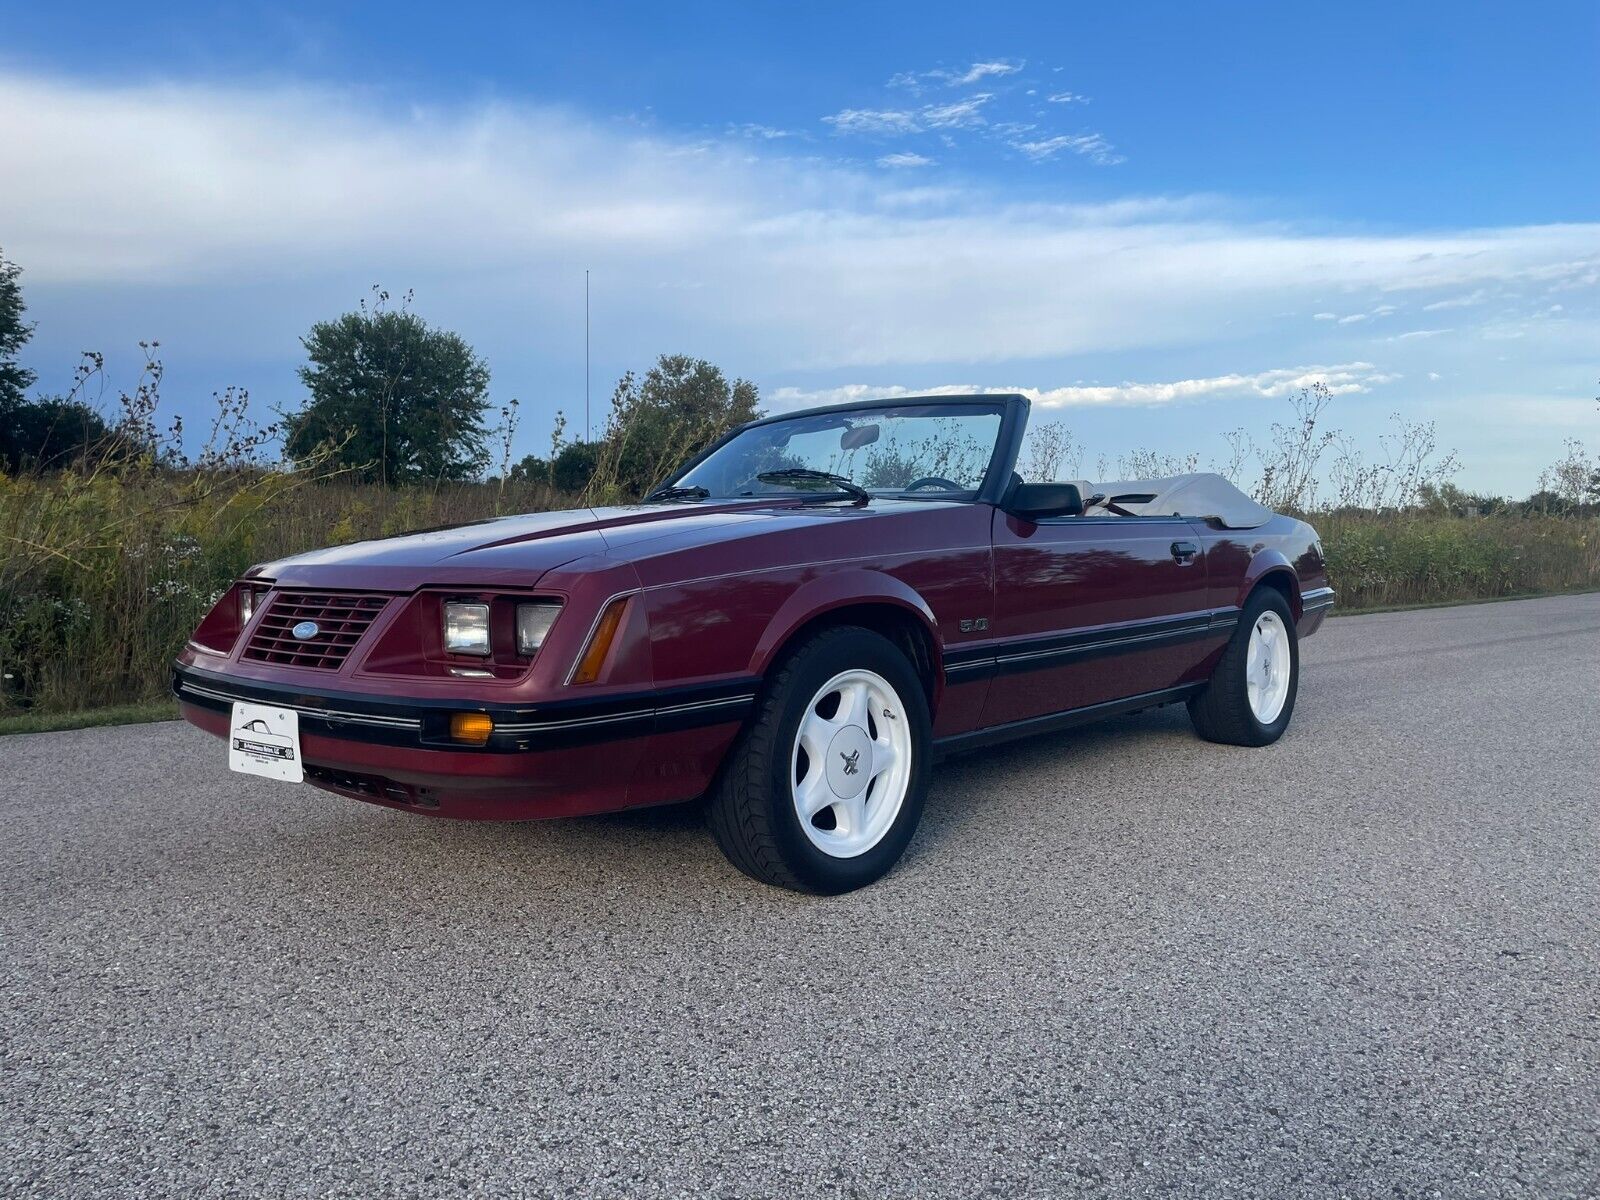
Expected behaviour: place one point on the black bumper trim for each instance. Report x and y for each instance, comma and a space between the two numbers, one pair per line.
183, 688
423, 723
1316, 600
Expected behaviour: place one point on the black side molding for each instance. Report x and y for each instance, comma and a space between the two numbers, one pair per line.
964, 664
1067, 719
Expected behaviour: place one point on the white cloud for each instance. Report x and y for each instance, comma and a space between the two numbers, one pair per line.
905, 160
230, 198
224, 219
959, 77
1342, 379
765, 133
1414, 334
993, 117
876, 122
1091, 145
1586, 275
982, 70
958, 115
1468, 301
966, 113
1325, 316
1382, 310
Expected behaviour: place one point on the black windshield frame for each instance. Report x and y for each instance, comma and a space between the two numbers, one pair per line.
1011, 406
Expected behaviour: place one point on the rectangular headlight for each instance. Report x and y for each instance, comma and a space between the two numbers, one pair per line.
533, 623
466, 628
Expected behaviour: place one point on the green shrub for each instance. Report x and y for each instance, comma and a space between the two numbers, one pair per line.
1413, 558
104, 577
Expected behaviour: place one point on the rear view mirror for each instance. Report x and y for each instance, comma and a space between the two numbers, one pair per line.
1036, 501
861, 435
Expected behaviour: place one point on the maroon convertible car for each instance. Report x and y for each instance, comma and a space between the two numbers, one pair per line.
796, 626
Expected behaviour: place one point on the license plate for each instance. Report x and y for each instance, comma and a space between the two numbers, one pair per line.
265, 741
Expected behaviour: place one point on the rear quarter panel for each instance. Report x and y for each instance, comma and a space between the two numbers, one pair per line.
1238, 560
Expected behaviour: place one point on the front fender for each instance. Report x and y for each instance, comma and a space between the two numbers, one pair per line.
842, 589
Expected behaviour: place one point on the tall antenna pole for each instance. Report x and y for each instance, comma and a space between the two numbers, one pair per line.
587, 436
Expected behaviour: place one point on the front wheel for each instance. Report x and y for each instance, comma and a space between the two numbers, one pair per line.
825, 788
1250, 696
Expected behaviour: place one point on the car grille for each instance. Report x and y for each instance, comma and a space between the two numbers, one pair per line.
341, 618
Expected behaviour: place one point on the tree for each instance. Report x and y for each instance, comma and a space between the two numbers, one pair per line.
1448, 498
681, 406
1572, 477
43, 433
391, 398
1050, 446
50, 433
568, 471
15, 380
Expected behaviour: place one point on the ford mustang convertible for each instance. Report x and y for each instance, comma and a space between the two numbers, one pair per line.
796, 627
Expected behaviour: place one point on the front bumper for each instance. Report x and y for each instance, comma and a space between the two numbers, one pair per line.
559, 758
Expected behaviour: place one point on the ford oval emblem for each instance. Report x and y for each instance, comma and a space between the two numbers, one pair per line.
306, 630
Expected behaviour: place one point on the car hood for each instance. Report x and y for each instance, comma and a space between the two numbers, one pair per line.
514, 550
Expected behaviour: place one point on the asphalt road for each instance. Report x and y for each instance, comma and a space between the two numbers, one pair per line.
1363, 962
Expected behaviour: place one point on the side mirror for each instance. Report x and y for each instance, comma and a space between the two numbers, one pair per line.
1036, 501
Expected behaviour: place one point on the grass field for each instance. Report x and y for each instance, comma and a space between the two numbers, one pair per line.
116, 714
103, 579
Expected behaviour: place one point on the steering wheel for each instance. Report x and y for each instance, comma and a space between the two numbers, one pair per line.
948, 485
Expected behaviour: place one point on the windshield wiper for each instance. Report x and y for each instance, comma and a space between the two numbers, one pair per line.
674, 492
806, 475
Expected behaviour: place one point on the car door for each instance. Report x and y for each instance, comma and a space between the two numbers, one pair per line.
1093, 609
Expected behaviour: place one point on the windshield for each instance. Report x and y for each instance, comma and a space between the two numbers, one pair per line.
931, 450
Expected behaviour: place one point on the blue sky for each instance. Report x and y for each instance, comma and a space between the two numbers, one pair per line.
1158, 219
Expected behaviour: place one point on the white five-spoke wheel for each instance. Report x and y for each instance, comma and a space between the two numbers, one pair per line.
1249, 698
825, 786
1267, 667
851, 763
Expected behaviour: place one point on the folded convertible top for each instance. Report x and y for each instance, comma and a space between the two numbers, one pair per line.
1203, 495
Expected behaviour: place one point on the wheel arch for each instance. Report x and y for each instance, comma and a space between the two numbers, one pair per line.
870, 599
1271, 569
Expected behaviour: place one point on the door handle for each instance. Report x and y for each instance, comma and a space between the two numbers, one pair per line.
1183, 552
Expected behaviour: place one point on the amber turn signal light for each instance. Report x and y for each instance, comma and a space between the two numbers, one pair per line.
472, 728
594, 657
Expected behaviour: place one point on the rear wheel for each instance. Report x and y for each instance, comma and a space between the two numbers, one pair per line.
825, 788
1250, 696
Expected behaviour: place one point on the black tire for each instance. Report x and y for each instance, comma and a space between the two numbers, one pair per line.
1222, 712
751, 809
